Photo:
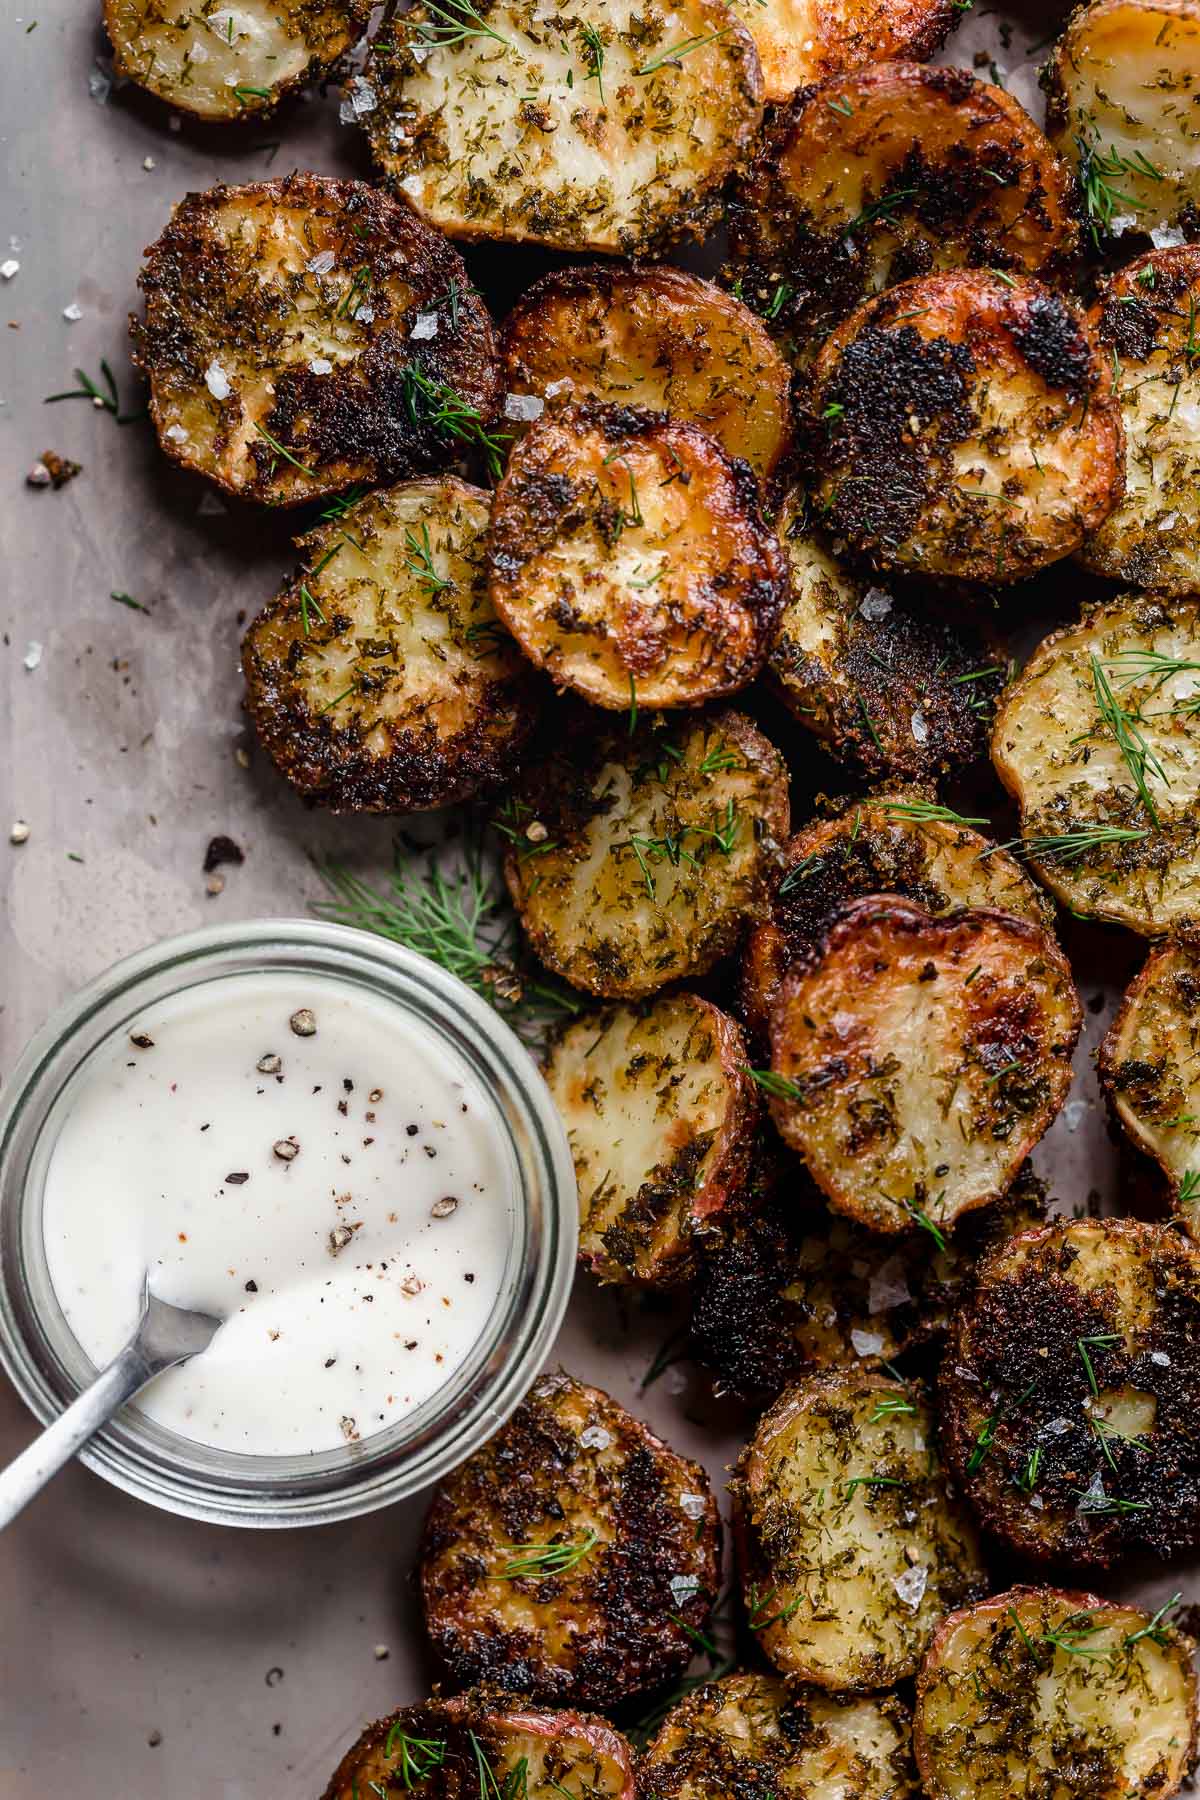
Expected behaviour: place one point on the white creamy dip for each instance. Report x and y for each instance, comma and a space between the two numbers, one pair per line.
347, 1212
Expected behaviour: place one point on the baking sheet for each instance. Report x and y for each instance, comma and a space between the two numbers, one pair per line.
143, 1656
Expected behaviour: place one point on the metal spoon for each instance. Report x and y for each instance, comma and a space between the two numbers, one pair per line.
166, 1335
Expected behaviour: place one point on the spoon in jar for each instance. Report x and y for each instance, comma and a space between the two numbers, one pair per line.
166, 1335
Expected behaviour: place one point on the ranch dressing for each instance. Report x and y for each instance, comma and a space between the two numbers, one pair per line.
305, 1160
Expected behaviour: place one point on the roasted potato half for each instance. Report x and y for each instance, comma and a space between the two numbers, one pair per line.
800, 42
229, 62
630, 560
1150, 1067
916, 1061
898, 843
654, 337
304, 334
1121, 89
749, 1735
1147, 321
1099, 743
872, 673
1070, 1391
380, 680
852, 1545
889, 172
1043, 1692
661, 1115
485, 1743
573, 1557
969, 428
599, 128
635, 859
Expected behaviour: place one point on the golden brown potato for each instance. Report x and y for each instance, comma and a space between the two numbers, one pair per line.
969, 428
1099, 743
574, 1557
304, 334
380, 680
852, 1544
636, 859
916, 1061
804, 41
629, 558
599, 128
653, 337
1043, 1692
1147, 320
886, 173
229, 61
661, 1115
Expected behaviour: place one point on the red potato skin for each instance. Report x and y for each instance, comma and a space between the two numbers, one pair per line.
602, 1737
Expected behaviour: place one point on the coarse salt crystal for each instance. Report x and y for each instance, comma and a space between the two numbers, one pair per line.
1074, 1113
99, 85
1120, 223
1161, 1358
876, 604
693, 1506
524, 407
911, 1585
364, 314
889, 1287
198, 52
1168, 522
1166, 237
919, 728
321, 263
425, 325
361, 98
176, 433
683, 1588
866, 1343
73, 312
320, 365
411, 184
9, 269
217, 382
595, 1438
148, 162
33, 654
559, 387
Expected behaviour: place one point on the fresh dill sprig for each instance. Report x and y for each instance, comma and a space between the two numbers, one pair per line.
1157, 1629
1129, 666
678, 51
1189, 1188
435, 406
123, 599
871, 1481
928, 812
1068, 846
890, 1406
757, 1605
1125, 728
1028, 1480
453, 24
778, 1086
925, 1223
282, 450
419, 561
593, 51
547, 1559
1099, 171
419, 1757
308, 600
1099, 1340
795, 876
108, 401
880, 209
986, 1435
244, 91
779, 300
1071, 1637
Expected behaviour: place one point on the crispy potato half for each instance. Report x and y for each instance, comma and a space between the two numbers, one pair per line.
969, 428
232, 61
630, 560
484, 1742
1121, 87
1070, 1390
896, 843
1147, 320
852, 1545
878, 175
800, 42
600, 128
573, 1556
749, 1734
1041, 1691
1099, 743
635, 859
917, 1060
304, 334
654, 337
872, 673
381, 680
661, 1115
1151, 1070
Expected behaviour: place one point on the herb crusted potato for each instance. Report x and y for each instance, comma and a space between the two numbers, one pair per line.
1148, 1065
969, 427
853, 1546
381, 681
597, 128
800, 42
304, 334
571, 1557
1054, 1694
635, 859
661, 1115
629, 558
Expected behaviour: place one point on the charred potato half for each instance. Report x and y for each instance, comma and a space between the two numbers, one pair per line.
889, 844
381, 680
1043, 1692
585, 129
1070, 1391
635, 860
229, 62
573, 1557
1150, 1067
852, 1544
661, 1116
886, 173
629, 558
1099, 743
304, 334
655, 337
969, 428
916, 1061
485, 1743
805, 41
1147, 321
1121, 88
749, 1735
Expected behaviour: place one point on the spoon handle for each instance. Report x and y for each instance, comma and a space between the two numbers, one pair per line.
29, 1473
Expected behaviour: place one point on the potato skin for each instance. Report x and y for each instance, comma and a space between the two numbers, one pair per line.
604, 1630
800, 42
